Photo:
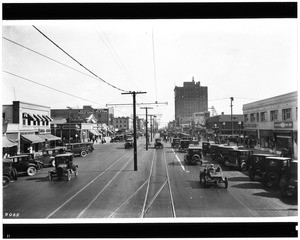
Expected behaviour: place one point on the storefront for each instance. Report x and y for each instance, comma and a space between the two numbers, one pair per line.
9, 148
266, 138
33, 140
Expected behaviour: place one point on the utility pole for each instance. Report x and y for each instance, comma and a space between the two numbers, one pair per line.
231, 100
147, 139
134, 127
69, 124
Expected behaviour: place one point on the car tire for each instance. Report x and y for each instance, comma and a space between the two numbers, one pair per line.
68, 176
31, 171
14, 174
273, 179
83, 153
5, 181
243, 166
196, 158
226, 182
251, 174
53, 163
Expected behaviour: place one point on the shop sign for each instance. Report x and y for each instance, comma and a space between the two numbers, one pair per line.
250, 125
44, 130
283, 124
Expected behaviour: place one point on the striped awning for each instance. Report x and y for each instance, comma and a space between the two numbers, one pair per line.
94, 132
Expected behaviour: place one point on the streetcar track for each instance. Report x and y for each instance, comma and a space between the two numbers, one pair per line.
92, 181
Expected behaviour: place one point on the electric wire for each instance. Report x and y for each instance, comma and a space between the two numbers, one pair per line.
54, 89
78, 61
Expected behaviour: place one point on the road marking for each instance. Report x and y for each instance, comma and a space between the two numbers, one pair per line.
178, 160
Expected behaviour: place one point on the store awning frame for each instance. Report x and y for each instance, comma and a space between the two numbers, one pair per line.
6, 143
49, 137
32, 138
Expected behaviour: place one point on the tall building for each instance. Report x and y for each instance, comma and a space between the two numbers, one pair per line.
190, 98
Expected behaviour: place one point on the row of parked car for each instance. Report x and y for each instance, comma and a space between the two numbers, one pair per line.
61, 158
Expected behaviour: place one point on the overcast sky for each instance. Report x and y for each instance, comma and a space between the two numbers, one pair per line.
248, 59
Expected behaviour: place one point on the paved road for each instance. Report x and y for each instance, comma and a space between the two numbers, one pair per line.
164, 186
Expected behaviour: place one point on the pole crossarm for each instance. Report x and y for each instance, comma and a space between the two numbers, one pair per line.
130, 104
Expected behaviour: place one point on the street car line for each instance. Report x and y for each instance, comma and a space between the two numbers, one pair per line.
94, 199
170, 189
51, 214
183, 168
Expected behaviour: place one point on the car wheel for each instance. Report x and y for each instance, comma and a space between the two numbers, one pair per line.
68, 176
243, 166
5, 181
226, 182
31, 171
273, 179
83, 153
53, 163
196, 158
251, 174
14, 174
50, 176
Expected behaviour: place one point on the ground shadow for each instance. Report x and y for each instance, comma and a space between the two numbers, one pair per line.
251, 185
238, 179
38, 179
195, 184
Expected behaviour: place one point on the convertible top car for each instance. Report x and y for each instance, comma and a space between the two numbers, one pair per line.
212, 176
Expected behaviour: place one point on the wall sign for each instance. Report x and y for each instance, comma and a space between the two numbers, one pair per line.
283, 124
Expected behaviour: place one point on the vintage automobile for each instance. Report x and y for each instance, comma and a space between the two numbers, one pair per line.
213, 149
175, 143
205, 147
268, 167
35, 159
64, 167
79, 149
116, 139
212, 176
222, 153
184, 145
48, 155
194, 155
158, 143
289, 180
128, 143
9, 172
24, 164
238, 158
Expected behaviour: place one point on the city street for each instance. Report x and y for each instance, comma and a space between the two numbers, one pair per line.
163, 187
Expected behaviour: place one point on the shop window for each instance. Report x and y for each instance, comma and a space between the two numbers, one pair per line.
252, 117
246, 118
257, 117
274, 115
286, 113
263, 116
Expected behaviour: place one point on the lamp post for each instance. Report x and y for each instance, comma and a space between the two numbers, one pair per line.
69, 124
231, 100
55, 126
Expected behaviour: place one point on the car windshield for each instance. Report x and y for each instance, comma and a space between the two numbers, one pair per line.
61, 160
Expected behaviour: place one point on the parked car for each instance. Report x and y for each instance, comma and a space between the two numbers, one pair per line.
194, 155
158, 143
238, 158
9, 173
129, 143
205, 147
212, 176
222, 152
175, 143
64, 167
183, 146
289, 180
36, 160
115, 139
48, 155
268, 167
213, 149
79, 149
24, 164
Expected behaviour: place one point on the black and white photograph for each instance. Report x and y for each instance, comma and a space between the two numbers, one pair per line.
149, 119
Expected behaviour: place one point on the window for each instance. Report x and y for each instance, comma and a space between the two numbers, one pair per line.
286, 113
246, 118
252, 117
257, 117
263, 116
274, 115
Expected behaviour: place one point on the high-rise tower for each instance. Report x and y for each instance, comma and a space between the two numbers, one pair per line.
189, 99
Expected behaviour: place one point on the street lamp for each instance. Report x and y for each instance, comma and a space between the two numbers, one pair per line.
231, 100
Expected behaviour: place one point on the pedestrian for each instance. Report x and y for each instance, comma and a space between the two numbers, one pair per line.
30, 149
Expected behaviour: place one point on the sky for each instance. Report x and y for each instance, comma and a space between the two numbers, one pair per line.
248, 59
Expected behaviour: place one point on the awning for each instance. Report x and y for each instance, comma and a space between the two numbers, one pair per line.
49, 137
94, 132
32, 117
32, 138
40, 118
48, 118
7, 144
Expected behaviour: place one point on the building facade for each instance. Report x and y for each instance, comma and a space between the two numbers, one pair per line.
190, 98
123, 124
273, 122
28, 125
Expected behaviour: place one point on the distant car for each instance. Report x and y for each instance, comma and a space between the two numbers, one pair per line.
158, 143
128, 143
64, 167
79, 149
269, 168
212, 176
194, 155
184, 145
238, 158
9, 173
115, 139
205, 147
289, 181
24, 164
175, 142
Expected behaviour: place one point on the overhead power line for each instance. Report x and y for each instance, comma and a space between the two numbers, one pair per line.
54, 89
78, 61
